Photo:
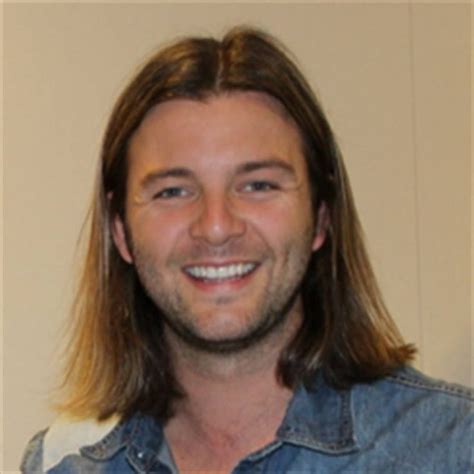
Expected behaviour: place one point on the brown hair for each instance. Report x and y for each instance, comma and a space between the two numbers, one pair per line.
117, 361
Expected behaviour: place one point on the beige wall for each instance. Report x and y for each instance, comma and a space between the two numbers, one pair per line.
395, 81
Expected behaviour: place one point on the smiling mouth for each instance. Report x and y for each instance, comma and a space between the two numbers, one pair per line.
219, 273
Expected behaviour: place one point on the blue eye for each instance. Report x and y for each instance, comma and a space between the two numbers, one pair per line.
169, 193
259, 186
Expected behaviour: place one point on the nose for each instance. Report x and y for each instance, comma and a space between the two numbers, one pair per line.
217, 221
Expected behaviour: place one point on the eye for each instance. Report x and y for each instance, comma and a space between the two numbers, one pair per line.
259, 186
171, 192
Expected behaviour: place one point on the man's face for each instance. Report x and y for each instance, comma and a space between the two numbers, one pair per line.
219, 226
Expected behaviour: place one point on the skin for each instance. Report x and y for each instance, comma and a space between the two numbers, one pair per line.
215, 183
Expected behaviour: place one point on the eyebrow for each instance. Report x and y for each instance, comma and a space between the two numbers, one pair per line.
150, 178
250, 166
243, 168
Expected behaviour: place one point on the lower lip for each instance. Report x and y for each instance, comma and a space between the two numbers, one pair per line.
232, 284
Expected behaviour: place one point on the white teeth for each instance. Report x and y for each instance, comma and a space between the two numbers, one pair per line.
221, 273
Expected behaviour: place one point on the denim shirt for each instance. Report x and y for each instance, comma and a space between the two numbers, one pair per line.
404, 423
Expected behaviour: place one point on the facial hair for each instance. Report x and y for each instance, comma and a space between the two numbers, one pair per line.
275, 303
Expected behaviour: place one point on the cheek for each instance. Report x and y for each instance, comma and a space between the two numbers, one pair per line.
283, 225
158, 231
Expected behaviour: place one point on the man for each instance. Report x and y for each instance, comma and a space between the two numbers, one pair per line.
228, 319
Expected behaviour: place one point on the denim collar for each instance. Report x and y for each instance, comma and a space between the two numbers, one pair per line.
140, 435
318, 417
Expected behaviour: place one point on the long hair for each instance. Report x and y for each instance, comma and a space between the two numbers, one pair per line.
117, 361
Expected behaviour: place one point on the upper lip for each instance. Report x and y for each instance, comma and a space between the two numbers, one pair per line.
215, 263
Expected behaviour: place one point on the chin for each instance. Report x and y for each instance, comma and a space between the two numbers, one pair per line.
225, 335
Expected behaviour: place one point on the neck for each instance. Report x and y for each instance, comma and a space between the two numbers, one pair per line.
234, 403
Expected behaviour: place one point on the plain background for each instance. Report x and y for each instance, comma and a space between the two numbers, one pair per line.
395, 82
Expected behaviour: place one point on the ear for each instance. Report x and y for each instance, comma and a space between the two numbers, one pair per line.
120, 239
322, 225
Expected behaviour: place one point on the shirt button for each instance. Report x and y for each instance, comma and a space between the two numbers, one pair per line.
140, 455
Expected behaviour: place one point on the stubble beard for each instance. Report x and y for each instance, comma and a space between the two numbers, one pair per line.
269, 314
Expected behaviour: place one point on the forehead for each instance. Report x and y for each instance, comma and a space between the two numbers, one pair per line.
229, 105
220, 129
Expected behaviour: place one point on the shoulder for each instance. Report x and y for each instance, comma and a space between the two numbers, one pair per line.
411, 392
409, 378
425, 418
65, 437
32, 461
408, 385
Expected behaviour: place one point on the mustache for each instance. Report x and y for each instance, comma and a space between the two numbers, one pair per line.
201, 250
229, 250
